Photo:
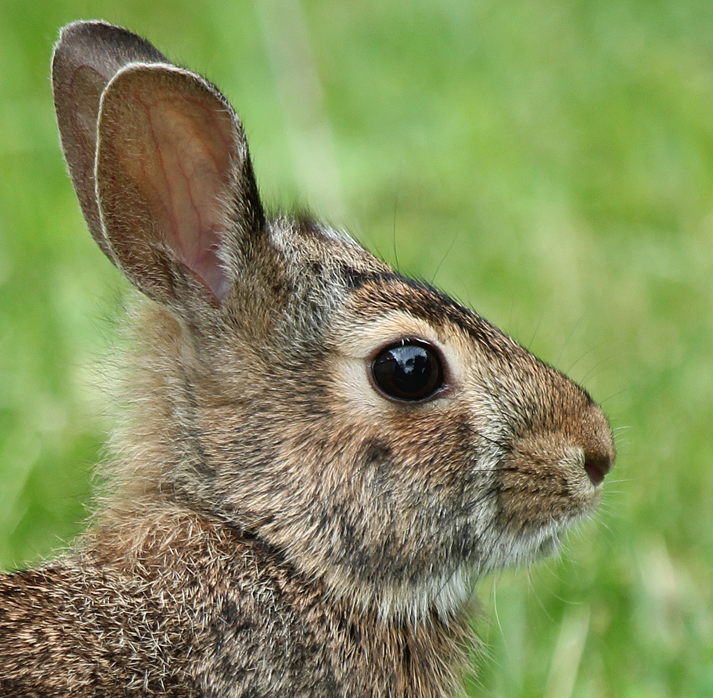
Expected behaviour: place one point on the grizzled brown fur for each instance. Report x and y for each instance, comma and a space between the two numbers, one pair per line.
275, 524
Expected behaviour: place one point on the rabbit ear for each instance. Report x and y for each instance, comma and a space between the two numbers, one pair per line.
86, 58
157, 157
173, 179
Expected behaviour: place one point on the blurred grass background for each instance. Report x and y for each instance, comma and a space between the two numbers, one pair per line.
548, 162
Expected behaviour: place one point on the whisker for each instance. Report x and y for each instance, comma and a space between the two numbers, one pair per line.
445, 256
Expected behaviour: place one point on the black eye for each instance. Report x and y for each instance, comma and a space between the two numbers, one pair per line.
408, 370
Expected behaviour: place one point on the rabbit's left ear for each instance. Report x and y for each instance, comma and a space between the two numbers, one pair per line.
173, 180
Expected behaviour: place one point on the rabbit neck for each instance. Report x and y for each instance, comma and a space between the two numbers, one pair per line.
193, 560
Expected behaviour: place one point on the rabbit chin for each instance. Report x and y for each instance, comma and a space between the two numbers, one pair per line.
527, 547
449, 593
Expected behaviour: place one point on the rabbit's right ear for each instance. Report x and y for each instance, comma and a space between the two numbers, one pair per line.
160, 164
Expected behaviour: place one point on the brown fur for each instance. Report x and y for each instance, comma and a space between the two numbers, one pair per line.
274, 525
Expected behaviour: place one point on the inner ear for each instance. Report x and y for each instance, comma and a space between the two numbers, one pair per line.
171, 170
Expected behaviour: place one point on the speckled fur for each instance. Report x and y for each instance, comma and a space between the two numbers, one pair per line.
273, 526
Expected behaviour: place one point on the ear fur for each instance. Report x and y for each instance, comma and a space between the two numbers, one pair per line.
86, 57
170, 177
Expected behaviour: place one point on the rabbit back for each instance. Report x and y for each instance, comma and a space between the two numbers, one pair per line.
195, 609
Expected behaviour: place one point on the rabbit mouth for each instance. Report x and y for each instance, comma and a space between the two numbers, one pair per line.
544, 487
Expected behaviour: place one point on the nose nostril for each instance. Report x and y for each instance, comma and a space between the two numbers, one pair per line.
597, 467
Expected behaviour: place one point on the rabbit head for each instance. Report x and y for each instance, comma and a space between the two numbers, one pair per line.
382, 437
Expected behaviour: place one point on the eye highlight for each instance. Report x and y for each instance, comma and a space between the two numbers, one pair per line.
409, 370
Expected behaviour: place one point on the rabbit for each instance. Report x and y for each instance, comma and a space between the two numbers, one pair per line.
321, 455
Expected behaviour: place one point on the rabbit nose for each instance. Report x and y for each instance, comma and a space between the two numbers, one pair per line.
597, 466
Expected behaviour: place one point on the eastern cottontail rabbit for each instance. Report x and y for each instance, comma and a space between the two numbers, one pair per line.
321, 454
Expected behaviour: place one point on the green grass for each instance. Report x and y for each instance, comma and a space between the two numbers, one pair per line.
548, 162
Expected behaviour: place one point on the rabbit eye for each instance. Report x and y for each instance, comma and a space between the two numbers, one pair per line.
409, 370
